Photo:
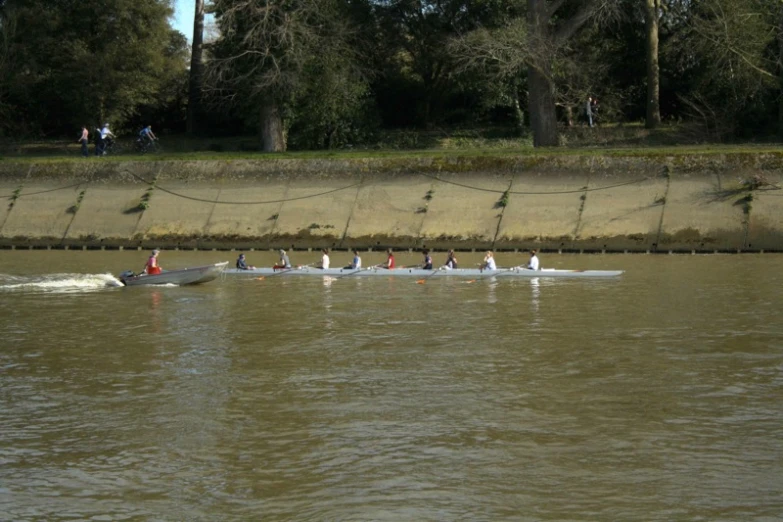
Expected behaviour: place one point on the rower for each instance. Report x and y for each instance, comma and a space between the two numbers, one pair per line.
152, 268
427, 265
489, 261
242, 263
451, 261
389, 259
533, 264
284, 261
356, 264
325, 259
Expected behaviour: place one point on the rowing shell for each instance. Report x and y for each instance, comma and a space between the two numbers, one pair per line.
515, 272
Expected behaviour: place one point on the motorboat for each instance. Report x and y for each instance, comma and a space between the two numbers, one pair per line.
183, 276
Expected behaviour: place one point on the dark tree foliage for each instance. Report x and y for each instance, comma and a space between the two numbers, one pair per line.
727, 56
288, 62
417, 84
70, 62
331, 73
196, 74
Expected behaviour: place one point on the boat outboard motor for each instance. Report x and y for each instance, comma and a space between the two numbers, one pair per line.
126, 274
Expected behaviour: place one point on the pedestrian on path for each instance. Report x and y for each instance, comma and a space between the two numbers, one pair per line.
84, 140
589, 111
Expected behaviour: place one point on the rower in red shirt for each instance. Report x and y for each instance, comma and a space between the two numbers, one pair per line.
389, 259
152, 268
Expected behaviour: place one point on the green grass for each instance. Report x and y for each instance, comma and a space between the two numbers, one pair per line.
609, 140
412, 154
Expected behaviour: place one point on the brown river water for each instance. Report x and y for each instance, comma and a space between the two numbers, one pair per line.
654, 396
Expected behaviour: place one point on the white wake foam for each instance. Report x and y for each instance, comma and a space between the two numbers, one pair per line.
58, 283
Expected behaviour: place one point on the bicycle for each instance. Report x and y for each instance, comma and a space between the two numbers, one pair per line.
143, 146
108, 147
111, 148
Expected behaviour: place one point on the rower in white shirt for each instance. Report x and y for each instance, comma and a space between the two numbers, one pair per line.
489, 261
325, 259
533, 264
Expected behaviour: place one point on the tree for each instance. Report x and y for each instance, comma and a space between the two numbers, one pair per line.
74, 63
267, 54
332, 110
8, 29
780, 68
733, 46
418, 77
651, 13
495, 54
167, 108
196, 67
550, 25
535, 48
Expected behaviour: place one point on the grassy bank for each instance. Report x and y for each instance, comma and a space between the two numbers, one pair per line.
610, 140
703, 198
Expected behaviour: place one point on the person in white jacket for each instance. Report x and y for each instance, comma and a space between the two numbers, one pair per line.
533, 264
589, 111
489, 261
325, 259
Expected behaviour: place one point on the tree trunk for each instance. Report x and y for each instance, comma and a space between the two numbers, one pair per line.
272, 133
780, 69
541, 90
330, 137
196, 69
653, 73
543, 114
427, 106
518, 112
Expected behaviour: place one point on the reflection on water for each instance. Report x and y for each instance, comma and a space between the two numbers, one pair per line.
491, 286
652, 397
535, 298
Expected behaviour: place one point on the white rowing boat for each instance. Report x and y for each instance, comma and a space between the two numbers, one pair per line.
514, 272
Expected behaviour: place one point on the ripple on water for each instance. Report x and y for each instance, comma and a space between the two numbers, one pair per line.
646, 398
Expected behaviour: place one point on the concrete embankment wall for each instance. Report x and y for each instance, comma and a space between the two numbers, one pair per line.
615, 203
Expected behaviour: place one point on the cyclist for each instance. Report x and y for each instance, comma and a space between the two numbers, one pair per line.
146, 135
145, 140
106, 138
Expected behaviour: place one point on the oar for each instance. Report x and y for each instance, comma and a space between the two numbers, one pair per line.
283, 271
474, 280
357, 271
495, 274
424, 279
